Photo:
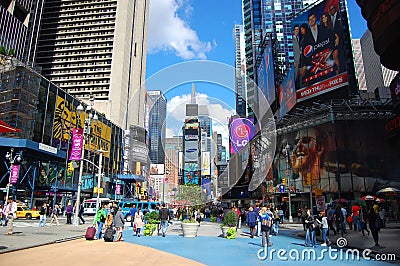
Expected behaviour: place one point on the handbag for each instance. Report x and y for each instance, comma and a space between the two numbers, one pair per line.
378, 223
134, 228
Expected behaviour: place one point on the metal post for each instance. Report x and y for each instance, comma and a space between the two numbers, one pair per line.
9, 176
78, 200
288, 182
99, 180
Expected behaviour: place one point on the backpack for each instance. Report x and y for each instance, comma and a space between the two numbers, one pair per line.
164, 214
109, 235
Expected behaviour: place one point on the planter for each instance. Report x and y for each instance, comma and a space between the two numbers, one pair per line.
224, 231
190, 229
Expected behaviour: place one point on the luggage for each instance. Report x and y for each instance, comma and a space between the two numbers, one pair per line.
109, 235
90, 233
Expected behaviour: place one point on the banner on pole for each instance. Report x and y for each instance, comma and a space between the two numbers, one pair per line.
77, 142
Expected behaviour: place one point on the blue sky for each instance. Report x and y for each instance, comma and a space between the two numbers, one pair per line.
186, 30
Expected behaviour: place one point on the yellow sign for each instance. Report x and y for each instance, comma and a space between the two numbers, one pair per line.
66, 118
95, 190
318, 192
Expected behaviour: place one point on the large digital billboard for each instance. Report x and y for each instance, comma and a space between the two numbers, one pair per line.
287, 93
345, 156
265, 75
242, 130
191, 174
191, 151
322, 66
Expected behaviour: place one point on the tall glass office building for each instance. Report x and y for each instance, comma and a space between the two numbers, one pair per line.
158, 113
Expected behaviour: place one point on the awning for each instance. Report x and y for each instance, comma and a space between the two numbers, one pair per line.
6, 128
138, 178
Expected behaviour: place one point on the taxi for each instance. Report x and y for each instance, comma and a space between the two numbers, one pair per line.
24, 212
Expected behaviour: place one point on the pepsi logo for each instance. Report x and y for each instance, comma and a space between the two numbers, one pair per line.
308, 50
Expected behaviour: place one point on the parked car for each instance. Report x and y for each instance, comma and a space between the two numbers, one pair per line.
24, 212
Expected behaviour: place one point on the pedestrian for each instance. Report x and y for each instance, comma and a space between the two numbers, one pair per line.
363, 221
340, 221
330, 214
11, 214
310, 233
258, 224
99, 220
2, 217
372, 217
69, 210
80, 213
164, 218
266, 222
356, 216
119, 223
325, 228
276, 221
139, 218
132, 212
251, 220
281, 215
303, 217
42, 212
54, 215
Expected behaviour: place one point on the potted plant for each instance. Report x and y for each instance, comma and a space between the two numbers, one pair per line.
152, 222
229, 224
190, 196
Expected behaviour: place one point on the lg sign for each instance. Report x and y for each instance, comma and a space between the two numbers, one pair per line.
242, 131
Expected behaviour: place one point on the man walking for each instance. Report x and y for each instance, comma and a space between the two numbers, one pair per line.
42, 220
164, 217
80, 214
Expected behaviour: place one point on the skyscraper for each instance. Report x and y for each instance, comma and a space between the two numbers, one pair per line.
157, 132
240, 71
97, 47
14, 25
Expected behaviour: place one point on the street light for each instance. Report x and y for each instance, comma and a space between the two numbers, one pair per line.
92, 117
286, 150
14, 171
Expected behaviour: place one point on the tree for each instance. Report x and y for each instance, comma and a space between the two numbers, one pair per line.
190, 195
2, 50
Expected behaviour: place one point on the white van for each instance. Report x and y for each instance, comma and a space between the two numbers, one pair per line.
89, 205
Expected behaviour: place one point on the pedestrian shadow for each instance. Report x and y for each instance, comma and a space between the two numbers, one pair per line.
255, 244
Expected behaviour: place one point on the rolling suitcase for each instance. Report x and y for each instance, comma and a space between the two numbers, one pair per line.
90, 233
109, 235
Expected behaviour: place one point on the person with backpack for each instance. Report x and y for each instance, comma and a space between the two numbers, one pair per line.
119, 222
266, 221
100, 219
164, 218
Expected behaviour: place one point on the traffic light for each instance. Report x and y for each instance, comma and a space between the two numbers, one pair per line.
284, 181
70, 168
142, 191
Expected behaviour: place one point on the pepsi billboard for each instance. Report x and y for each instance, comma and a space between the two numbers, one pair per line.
322, 66
242, 130
265, 75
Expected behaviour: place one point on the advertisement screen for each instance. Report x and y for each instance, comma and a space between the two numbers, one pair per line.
265, 75
156, 169
350, 156
287, 93
321, 53
191, 174
242, 130
205, 163
191, 151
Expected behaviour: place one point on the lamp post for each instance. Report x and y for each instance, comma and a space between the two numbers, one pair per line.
92, 116
163, 183
286, 150
13, 159
99, 179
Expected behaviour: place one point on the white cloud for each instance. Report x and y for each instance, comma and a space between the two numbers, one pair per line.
219, 112
169, 32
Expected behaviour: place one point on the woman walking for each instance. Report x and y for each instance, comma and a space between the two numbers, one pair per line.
54, 215
251, 220
325, 228
266, 222
100, 219
138, 221
310, 233
69, 211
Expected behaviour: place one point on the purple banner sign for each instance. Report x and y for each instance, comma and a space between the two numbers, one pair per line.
14, 174
77, 141
118, 189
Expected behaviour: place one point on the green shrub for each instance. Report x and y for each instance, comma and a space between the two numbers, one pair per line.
213, 219
149, 229
152, 218
230, 219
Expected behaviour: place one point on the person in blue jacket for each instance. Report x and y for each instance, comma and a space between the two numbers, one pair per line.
251, 220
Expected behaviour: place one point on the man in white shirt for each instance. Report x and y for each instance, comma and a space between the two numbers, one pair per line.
11, 213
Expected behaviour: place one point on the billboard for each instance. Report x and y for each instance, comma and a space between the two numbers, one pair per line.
242, 130
191, 151
287, 93
191, 174
265, 75
156, 169
205, 163
322, 66
349, 155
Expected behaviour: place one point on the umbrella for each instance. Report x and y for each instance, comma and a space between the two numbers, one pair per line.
6, 128
341, 200
368, 197
380, 200
389, 191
